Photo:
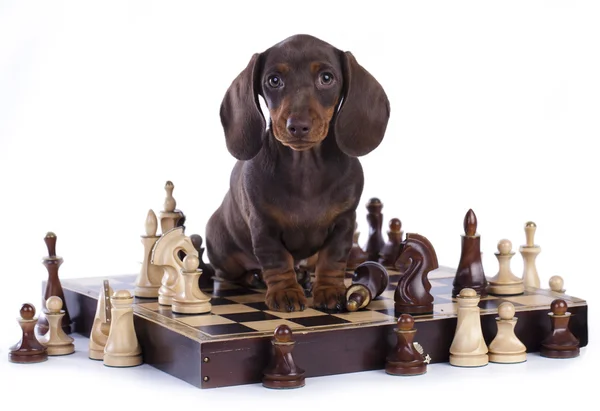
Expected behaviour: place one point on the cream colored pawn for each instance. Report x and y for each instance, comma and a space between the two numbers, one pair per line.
56, 340
150, 275
557, 284
530, 251
122, 347
468, 347
506, 348
190, 299
101, 325
505, 282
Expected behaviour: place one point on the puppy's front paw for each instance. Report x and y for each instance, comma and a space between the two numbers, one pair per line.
286, 299
329, 297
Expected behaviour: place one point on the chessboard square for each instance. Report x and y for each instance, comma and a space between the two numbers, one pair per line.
536, 300
383, 304
227, 293
389, 293
220, 301
232, 309
248, 317
445, 308
248, 298
490, 304
446, 297
261, 306
387, 311
366, 316
149, 306
435, 284
445, 273
270, 325
320, 321
204, 320
225, 329
308, 312
347, 282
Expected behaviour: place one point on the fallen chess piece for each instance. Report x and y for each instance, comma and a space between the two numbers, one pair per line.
28, 349
469, 273
506, 348
370, 279
557, 284
148, 280
122, 346
405, 359
282, 371
468, 347
505, 282
101, 325
56, 340
530, 251
561, 343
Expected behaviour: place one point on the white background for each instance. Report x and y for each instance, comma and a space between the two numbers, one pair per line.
495, 107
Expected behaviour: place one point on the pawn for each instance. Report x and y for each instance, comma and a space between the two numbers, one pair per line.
208, 272
190, 299
392, 248
375, 241
282, 371
506, 348
29, 349
404, 358
357, 255
530, 251
122, 348
561, 343
468, 347
557, 284
56, 340
505, 282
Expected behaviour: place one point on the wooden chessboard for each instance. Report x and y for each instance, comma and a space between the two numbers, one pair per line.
231, 345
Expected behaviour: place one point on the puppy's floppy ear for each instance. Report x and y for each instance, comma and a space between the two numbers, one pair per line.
363, 116
241, 117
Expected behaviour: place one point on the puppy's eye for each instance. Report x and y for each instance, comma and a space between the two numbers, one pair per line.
275, 81
326, 78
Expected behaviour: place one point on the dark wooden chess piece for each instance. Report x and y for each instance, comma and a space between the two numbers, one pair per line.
561, 343
469, 273
53, 286
392, 248
29, 349
208, 272
357, 255
370, 279
404, 358
282, 371
375, 242
418, 258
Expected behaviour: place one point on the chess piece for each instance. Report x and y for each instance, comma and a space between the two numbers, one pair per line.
28, 349
149, 277
506, 348
170, 217
391, 250
469, 273
122, 348
167, 254
370, 279
468, 347
208, 272
53, 286
412, 294
282, 371
561, 343
357, 255
404, 358
189, 299
505, 282
557, 284
101, 325
55, 340
375, 241
530, 251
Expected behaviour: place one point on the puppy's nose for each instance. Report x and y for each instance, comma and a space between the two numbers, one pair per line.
298, 127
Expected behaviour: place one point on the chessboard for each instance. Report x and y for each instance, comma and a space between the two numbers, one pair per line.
231, 345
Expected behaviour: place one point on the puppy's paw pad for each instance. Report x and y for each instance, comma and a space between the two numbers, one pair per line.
287, 299
328, 297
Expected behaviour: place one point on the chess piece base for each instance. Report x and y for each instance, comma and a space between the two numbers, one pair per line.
553, 353
55, 350
180, 307
413, 309
165, 300
286, 382
28, 359
508, 358
122, 361
505, 289
469, 360
97, 355
411, 368
146, 292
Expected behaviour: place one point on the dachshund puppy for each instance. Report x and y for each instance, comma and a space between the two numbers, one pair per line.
296, 185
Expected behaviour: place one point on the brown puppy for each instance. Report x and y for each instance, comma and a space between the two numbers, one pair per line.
294, 191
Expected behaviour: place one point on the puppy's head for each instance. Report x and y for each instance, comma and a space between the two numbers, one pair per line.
309, 87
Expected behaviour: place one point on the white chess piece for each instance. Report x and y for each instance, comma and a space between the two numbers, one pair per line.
506, 348
149, 277
468, 347
101, 325
505, 282
56, 340
557, 284
122, 347
190, 299
530, 251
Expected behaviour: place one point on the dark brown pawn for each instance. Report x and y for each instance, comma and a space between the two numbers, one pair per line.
282, 371
561, 343
208, 273
357, 255
391, 250
375, 242
469, 273
53, 286
404, 358
29, 349
412, 294
369, 281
